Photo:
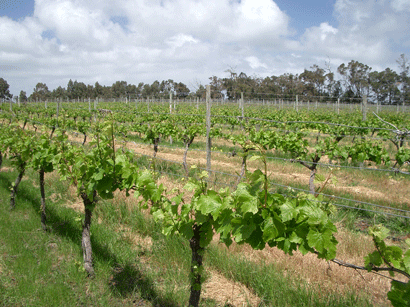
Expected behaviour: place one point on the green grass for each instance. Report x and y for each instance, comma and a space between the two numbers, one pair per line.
40, 268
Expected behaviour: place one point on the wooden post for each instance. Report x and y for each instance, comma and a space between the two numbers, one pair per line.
297, 103
208, 128
242, 106
11, 106
170, 103
58, 110
364, 107
338, 105
89, 104
403, 104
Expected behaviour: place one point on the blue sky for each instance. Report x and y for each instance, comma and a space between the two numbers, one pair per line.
52, 41
17, 9
305, 14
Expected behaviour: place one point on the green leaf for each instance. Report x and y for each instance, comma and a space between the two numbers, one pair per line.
255, 158
272, 229
379, 232
288, 212
243, 232
158, 215
186, 229
294, 238
373, 259
246, 201
315, 240
399, 295
209, 204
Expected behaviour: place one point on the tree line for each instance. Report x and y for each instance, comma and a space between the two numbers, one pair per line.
354, 80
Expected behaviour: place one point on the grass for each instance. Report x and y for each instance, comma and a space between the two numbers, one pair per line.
273, 287
135, 264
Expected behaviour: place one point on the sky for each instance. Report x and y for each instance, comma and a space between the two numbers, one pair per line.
53, 41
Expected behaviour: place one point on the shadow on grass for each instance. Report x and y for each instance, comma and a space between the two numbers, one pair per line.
125, 279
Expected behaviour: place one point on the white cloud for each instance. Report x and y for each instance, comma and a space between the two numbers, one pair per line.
186, 40
255, 63
401, 5
180, 40
256, 20
366, 32
76, 25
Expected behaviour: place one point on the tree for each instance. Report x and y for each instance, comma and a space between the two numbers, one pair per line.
155, 88
4, 90
270, 85
355, 78
146, 90
131, 90
404, 77
140, 88
59, 92
90, 91
79, 90
119, 89
70, 89
98, 90
216, 87
201, 92
181, 90
384, 86
40, 92
314, 81
167, 87
289, 84
22, 96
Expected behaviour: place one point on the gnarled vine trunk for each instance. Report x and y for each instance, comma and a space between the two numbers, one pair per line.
156, 142
188, 143
196, 266
14, 188
312, 180
86, 235
43, 200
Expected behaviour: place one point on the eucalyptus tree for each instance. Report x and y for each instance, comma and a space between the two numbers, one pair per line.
23, 96
404, 76
40, 92
119, 89
355, 76
4, 90
384, 86
59, 92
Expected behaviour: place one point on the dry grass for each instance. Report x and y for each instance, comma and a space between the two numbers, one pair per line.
325, 276
226, 291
